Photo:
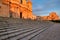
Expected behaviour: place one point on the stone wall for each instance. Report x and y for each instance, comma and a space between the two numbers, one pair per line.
4, 9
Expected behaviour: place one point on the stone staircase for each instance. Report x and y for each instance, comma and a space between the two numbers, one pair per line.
21, 29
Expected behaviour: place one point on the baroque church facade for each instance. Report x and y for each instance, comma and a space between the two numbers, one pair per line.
16, 9
51, 16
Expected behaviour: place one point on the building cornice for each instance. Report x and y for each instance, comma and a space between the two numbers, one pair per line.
21, 5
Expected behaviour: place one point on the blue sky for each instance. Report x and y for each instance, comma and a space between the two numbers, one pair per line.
44, 7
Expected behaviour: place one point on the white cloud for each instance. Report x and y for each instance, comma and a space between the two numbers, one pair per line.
47, 7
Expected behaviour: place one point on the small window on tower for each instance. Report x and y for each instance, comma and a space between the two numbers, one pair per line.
21, 1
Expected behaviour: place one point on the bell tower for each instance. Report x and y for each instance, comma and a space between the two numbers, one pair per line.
29, 4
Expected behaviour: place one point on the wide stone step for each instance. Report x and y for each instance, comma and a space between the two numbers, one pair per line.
18, 29
16, 37
5, 29
33, 35
15, 33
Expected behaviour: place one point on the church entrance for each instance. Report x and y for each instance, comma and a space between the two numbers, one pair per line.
20, 14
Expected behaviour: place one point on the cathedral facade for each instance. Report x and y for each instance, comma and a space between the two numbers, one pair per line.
16, 9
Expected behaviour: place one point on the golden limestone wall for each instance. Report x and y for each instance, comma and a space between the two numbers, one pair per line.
4, 9
52, 16
16, 9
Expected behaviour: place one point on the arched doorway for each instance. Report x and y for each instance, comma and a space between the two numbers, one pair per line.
20, 14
